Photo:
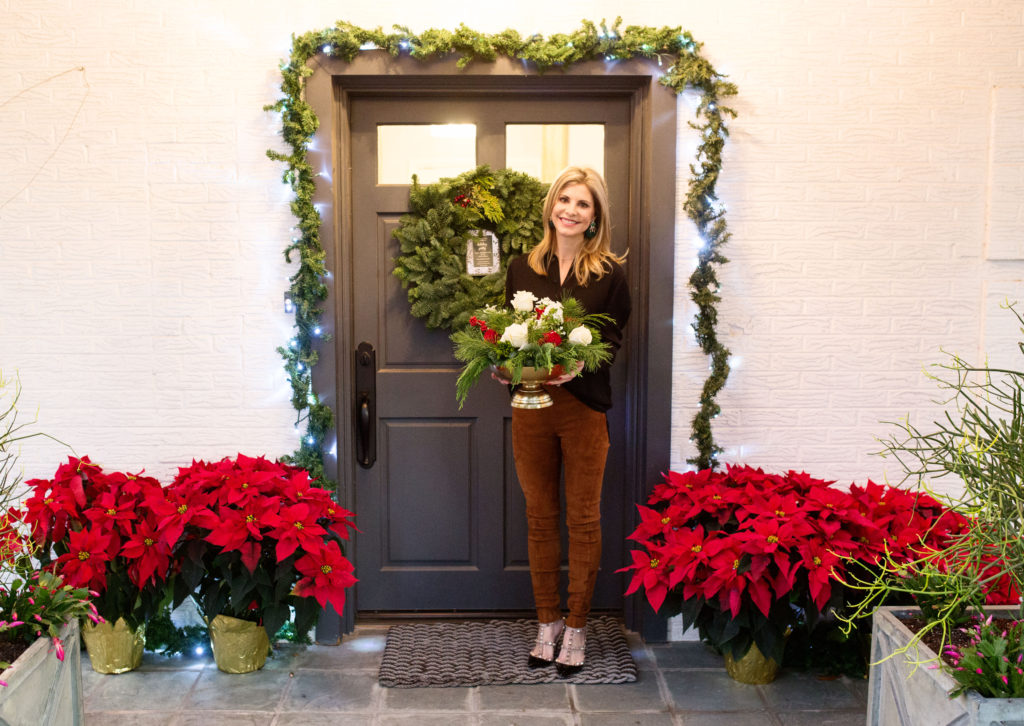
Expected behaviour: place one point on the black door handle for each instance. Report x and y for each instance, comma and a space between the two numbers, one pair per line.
365, 405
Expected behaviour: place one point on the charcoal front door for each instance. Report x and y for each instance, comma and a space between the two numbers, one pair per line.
440, 511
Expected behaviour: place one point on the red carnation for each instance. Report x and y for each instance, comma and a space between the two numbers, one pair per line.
491, 336
551, 337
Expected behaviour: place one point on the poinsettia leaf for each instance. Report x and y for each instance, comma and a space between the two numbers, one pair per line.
241, 587
283, 581
770, 641
690, 610
738, 645
180, 590
274, 616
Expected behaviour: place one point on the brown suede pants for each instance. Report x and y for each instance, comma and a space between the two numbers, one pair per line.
572, 434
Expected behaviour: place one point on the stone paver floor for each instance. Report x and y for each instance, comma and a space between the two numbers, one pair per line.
680, 684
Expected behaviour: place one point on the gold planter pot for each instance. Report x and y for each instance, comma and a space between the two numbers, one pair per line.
114, 648
530, 392
239, 646
754, 668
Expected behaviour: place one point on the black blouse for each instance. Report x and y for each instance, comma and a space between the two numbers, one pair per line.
608, 294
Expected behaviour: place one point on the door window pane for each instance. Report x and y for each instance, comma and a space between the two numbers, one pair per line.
430, 151
543, 150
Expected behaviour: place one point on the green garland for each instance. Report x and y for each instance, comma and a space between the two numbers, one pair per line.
675, 51
433, 240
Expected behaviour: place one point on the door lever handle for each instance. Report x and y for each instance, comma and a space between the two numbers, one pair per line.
364, 429
365, 405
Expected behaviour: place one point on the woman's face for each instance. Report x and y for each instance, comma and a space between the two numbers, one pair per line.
573, 210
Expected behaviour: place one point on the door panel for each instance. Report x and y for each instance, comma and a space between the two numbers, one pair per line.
441, 513
444, 449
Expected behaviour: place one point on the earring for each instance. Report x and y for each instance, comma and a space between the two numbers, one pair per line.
591, 231
551, 224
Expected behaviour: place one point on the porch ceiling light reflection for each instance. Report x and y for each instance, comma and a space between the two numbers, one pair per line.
453, 131
368, 645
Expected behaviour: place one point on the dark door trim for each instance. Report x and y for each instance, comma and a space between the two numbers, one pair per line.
651, 233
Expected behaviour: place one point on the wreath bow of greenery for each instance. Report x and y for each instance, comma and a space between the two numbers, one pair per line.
433, 238
673, 49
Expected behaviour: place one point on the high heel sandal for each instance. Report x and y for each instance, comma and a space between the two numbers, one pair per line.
570, 658
547, 637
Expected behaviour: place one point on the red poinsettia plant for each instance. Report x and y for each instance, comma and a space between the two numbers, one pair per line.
98, 530
254, 539
747, 556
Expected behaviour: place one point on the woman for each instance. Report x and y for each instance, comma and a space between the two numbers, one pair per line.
573, 259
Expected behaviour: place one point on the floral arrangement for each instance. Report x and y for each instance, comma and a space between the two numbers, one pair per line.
991, 662
538, 333
34, 603
747, 557
99, 531
255, 538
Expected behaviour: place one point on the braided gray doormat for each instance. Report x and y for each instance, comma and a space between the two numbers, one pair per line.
494, 653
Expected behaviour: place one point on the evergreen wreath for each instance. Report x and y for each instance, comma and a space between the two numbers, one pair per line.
433, 238
684, 68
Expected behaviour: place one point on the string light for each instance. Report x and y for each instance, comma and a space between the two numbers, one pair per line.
327, 49
317, 331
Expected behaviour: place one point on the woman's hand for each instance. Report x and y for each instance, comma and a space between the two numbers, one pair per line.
566, 376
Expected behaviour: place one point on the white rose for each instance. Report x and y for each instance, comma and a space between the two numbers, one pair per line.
580, 336
554, 311
516, 334
523, 301
545, 302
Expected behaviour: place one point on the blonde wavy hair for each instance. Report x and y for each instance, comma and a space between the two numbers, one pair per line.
596, 252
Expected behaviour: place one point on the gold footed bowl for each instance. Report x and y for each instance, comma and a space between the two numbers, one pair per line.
754, 668
113, 647
530, 393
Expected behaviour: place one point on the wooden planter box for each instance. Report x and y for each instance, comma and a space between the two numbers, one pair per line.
44, 691
902, 693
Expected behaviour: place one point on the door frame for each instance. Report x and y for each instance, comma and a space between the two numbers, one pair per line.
650, 266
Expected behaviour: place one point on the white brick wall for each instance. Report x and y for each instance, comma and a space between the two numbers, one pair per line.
141, 269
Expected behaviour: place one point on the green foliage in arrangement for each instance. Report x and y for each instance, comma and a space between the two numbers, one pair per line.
433, 237
536, 333
684, 68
